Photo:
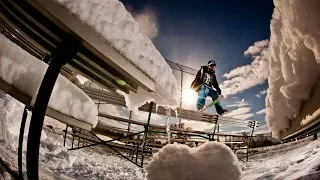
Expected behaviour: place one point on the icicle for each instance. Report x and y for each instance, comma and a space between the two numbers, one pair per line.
157, 106
168, 113
176, 111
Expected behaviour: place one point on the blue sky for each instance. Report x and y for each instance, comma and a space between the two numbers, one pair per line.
192, 32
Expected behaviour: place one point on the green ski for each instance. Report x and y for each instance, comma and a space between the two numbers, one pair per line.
205, 107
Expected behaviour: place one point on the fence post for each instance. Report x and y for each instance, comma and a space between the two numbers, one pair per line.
146, 128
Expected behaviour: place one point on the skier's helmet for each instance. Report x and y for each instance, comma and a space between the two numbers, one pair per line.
212, 63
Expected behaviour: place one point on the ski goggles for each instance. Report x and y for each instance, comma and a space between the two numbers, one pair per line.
212, 64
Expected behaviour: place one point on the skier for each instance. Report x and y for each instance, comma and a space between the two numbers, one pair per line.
204, 83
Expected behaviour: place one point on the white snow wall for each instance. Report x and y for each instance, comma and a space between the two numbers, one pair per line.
294, 60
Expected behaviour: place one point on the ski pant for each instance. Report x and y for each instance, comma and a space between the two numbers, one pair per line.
204, 92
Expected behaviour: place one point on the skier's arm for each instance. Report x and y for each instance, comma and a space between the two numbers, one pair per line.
215, 84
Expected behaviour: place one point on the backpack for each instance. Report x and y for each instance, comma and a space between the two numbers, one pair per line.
197, 82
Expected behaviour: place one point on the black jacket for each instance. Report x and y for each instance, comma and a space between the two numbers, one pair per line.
199, 80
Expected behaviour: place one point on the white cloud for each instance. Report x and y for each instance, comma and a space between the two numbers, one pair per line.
239, 104
244, 116
147, 20
262, 111
245, 77
198, 126
261, 93
256, 48
239, 111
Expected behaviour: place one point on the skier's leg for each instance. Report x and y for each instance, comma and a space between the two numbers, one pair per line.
214, 95
203, 93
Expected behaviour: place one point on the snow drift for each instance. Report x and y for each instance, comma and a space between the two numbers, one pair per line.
116, 25
211, 160
294, 60
25, 72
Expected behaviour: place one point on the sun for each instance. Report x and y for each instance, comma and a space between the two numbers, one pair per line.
189, 96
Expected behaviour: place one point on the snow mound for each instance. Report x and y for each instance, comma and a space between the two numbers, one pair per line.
294, 60
115, 24
25, 72
211, 160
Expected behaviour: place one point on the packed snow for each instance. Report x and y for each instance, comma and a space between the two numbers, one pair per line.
211, 160
116, 25
287, 163
294, 60
25, 72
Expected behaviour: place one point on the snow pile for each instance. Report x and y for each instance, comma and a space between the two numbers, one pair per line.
25, 72
5, 176
116, 25
11, 112
286, 165
294, 60
211, 160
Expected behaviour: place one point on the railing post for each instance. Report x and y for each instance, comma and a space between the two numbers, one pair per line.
65, 136
146, 128
62, 54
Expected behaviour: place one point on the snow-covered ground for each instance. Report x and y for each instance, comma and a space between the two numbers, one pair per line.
55, 160
286, 164
97, 163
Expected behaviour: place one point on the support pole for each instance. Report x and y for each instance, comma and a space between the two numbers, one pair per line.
62, 54
129, 124
181, 93
65, 136
218, 135
214, 130
72, 138
146, 128
20, 148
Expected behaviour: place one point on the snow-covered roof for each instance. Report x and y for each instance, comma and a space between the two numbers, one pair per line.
25, 72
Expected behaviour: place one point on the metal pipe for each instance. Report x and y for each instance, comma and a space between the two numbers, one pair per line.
20, 148
63, 53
